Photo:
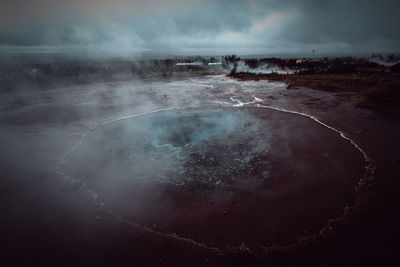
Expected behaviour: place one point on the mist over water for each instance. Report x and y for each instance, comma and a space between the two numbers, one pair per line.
179, 147
131, 163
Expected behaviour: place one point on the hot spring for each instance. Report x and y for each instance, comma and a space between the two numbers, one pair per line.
219, 176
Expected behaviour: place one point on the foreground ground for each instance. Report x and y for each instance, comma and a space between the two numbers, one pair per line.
52, 219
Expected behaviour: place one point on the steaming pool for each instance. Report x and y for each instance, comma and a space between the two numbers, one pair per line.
219, 176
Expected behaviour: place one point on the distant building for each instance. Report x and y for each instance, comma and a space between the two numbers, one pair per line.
189, 64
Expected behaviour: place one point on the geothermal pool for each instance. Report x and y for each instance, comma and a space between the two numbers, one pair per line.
197, 159
221, 177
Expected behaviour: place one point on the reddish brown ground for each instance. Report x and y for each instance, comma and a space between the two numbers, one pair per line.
379, 91
369, 236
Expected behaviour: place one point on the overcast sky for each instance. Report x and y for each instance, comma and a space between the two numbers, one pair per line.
202, 26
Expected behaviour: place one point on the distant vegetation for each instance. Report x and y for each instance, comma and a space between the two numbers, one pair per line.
318, 66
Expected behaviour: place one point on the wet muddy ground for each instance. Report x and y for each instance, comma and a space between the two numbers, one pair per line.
192, 171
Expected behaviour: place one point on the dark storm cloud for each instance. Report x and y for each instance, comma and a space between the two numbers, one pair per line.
340, 20
255, 26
